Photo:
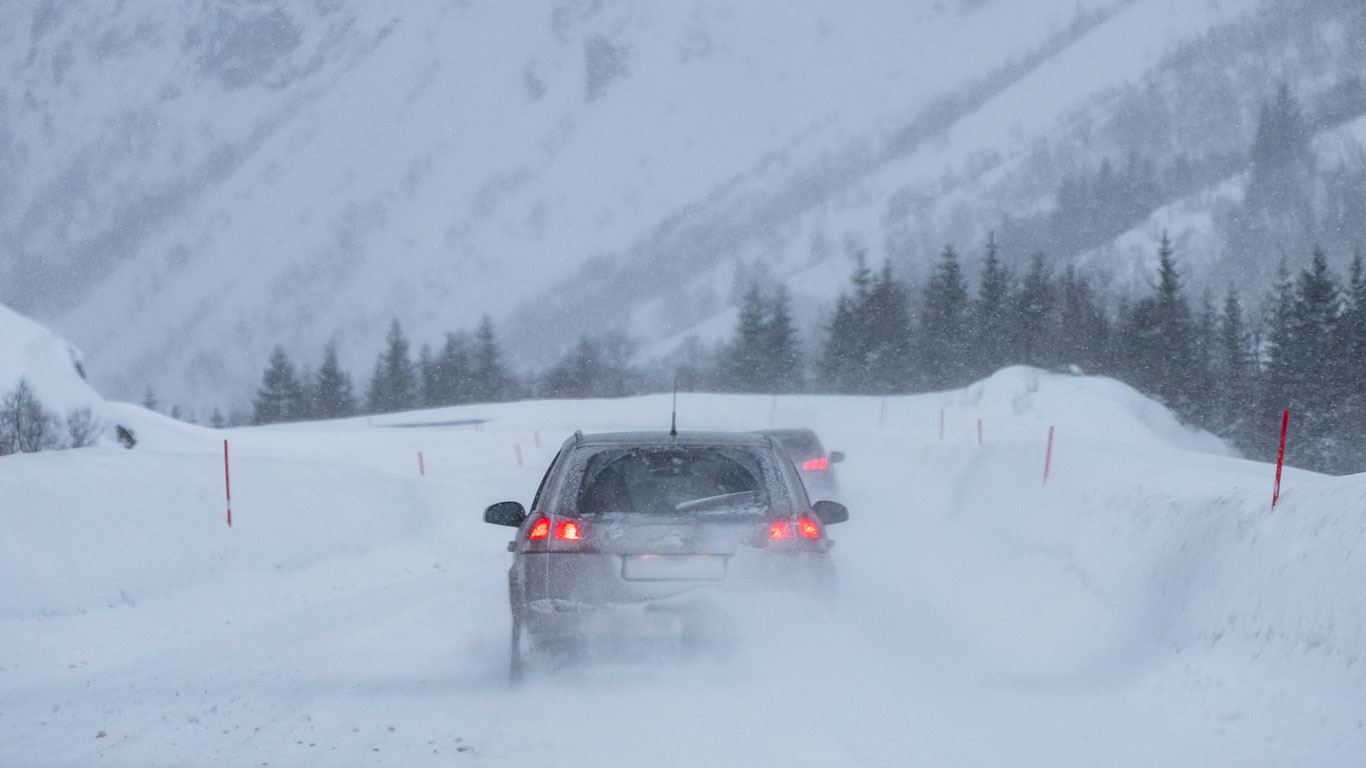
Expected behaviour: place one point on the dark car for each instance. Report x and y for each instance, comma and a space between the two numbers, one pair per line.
816, 467
632, 532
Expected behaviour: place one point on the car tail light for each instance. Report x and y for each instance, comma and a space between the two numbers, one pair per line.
782, 530
567, 530
811, 465
540, 531
564, 530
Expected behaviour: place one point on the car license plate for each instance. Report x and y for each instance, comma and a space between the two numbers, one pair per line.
673, 567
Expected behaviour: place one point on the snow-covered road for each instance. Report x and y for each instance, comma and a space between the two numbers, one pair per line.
1143, 609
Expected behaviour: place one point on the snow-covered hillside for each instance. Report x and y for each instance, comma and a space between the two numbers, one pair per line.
1145, 607
183, 185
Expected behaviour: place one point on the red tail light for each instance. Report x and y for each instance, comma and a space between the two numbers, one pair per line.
540, 531
805, 527
811, 465
565, 530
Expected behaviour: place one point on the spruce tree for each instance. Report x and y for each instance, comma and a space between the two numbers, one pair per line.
838, 369
281, 396
943, 326
1234, 370
453, 372
782, 351
746, 365
888, 363
1081, 335
491, 381
332, 396
395, 385
991, 317
1349, 373
1314, 394
1033, 306
1160, 341
1277, 371
428, 385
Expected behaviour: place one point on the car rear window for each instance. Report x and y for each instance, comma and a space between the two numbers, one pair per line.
800, 444
671, 480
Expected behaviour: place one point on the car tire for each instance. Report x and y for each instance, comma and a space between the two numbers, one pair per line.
518, 652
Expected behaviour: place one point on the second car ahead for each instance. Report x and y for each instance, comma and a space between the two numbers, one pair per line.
631, 532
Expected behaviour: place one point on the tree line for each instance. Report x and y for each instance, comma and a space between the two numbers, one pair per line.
467, 368
1213, 363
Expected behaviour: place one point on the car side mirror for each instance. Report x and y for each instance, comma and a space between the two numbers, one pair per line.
830, 512
836, 457
509, 513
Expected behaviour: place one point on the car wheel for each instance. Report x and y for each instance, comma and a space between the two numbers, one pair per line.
518, 652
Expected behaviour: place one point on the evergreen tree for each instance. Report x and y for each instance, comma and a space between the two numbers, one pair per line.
395, 385
281, 396
782, 351
453, 372
839, 369
991, 317
1314, 394
745, 367
428, 386
217, 420
943, 326
1234, 370
1033, 307
888, 359
490, 381
1350, 371
1277, 373
1160, 341
593, 368
1082, 332
149, 399
332, 397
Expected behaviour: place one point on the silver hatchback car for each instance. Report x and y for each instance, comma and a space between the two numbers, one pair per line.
632, 531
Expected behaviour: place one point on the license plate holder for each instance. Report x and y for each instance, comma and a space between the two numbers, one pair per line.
673, 567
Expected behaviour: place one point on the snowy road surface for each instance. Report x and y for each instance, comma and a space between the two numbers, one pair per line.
1142, 609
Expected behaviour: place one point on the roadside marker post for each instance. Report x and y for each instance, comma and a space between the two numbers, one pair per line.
1280, 458
979, 430
227, 482
421, 465
517, 449
1048, 456
882, 414
941, 425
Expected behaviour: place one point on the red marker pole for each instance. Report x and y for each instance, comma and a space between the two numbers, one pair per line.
1280, 458
941, 425
517, 449
979, 430
882, 414
227, 482
421, 466
1048, 456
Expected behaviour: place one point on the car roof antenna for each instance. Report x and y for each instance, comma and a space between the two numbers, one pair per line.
673, 415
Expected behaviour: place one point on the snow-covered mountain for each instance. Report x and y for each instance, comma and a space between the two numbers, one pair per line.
184, 185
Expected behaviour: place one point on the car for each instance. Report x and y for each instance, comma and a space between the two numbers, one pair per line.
814, 464
631, 533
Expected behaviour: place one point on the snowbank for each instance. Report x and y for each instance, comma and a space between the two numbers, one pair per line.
52, 367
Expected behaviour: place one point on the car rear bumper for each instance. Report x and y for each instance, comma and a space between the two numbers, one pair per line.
576, 593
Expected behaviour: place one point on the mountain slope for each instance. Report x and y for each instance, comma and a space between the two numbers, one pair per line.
183, 186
